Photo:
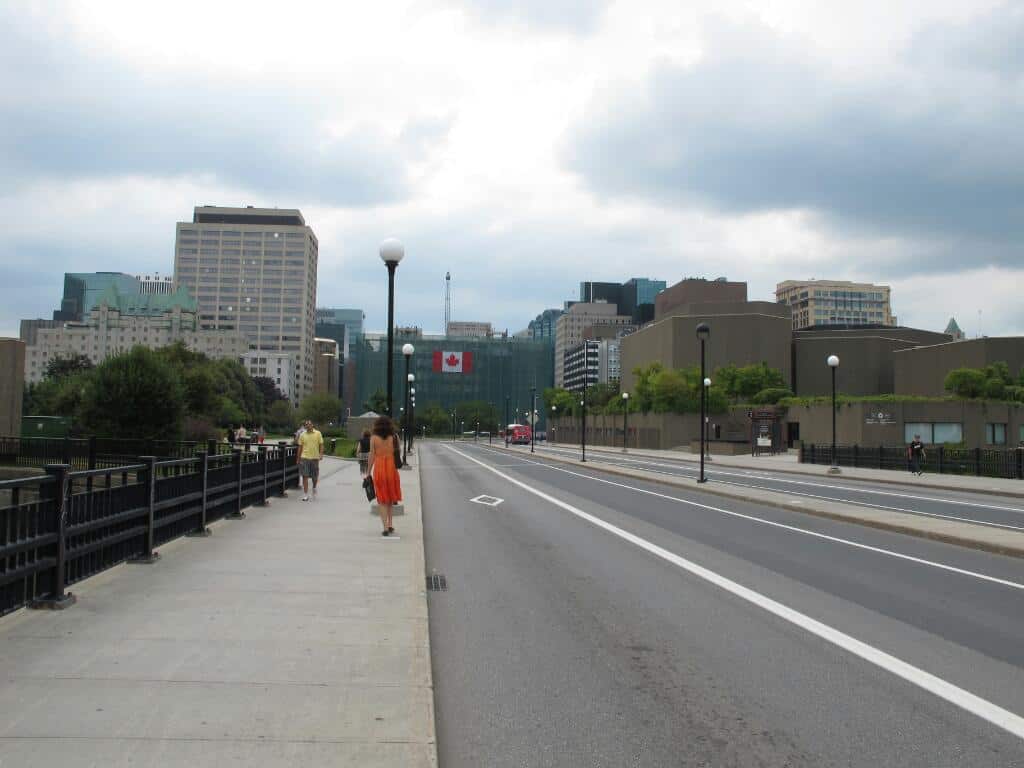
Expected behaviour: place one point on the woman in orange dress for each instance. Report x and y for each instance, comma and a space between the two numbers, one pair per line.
381, 467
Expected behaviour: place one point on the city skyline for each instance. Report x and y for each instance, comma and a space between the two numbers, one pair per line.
534, 168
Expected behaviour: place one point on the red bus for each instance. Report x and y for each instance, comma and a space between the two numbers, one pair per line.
519, 434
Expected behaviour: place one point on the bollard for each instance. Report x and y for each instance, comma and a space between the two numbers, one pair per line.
263, 464
284, 468
59, 598
148, 556
204, 469
237, 465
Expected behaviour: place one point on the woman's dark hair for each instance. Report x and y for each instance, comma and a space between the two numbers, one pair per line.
383, 427
366, 433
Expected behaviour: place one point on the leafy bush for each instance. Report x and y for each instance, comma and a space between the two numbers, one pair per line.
344, 447
321, 408
282, 416
200, 430
333, 432
771, 395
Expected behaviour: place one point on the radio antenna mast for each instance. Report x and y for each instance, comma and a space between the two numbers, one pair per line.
447, 301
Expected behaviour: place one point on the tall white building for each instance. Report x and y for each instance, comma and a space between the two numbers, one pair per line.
277, 366
254, 270
120, 321
570, 326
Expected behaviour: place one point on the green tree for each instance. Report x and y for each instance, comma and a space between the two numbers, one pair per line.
134, 394
566, 403
281, 416
965, 382
322, 408
473, 411
771, 395
63, 367
435, 418
642, 389
268, 388
378, 402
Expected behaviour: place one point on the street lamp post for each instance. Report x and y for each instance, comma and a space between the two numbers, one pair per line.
391, 252
505, 430
833, 363
707, 425
533, 417
583, 431
703, 332
554, 412
625, 420
412, 409
407, 352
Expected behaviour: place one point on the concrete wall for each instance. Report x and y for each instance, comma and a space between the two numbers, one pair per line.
12, 385
659, 431
668, 301
741, 333
858, 423
923, 370
866, 358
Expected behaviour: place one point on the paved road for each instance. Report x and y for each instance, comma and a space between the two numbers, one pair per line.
993, 511
610, 622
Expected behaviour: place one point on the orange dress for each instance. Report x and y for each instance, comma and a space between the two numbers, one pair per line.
386, 483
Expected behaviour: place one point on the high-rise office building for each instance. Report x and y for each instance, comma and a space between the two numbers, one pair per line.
835, 302
638, 295
570, 327
345, 326
83, 289
591, 292
254, 270
543, 326
155, 283
326, 366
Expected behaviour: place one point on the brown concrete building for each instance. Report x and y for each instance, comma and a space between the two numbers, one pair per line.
923, 370
326, 373
742, 333
866, 358
12, 385
696, 291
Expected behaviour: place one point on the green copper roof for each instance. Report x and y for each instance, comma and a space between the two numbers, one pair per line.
953, 329
147, 304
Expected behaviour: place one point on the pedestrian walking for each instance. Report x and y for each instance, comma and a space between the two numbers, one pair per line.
916, 454
231, 435
261, 434
311, 450
298, 433
364, 451
384, 470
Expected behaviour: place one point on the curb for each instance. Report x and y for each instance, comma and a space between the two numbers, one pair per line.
883, 480
962, 541
432, 714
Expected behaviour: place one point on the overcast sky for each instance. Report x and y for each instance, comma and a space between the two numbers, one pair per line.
527, 146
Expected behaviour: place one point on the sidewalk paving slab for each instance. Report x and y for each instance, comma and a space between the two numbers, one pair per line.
295, 637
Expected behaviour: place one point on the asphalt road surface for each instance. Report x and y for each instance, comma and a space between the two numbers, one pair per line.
993, 511
592, 620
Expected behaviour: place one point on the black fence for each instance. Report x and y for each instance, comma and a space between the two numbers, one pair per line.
67, 524
100, 452
981, 462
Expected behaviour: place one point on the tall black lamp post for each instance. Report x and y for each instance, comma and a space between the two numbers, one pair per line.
707, 419
412, 409
625, 420
583, 431
703, 332
833, 363
533, 417
391, 252
505, 430
554, 412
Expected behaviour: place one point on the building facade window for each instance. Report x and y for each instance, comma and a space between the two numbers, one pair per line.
995, 434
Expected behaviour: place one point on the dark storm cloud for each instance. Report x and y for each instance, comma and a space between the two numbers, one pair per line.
758, 125
67, 115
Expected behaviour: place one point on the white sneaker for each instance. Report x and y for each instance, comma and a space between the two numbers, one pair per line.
305, 498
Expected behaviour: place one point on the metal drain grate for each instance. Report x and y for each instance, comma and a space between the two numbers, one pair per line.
436, 582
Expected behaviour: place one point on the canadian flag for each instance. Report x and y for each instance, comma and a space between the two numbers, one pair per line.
453, 362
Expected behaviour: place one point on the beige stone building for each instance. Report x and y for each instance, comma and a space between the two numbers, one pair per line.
470, 329
835, 302
253, 271
571, 325
121, 321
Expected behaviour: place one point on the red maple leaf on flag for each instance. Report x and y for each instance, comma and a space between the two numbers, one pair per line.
452, 361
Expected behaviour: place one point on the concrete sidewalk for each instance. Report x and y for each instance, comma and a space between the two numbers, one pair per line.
294, 637
789, 462
974, 536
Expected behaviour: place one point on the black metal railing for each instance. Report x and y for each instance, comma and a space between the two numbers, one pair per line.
100, 452
66, 525
981, 462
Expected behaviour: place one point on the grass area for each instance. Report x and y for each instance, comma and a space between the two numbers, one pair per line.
344, 447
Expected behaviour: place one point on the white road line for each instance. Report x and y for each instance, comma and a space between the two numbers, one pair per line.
777, 479
945, 690
794, 529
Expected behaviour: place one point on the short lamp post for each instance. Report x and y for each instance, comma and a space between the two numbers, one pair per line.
625, 420
407, 352
533, 418
554, 412
583, 430
833, 363
412, 409
391, 252
703, 332
707, 420
507, 401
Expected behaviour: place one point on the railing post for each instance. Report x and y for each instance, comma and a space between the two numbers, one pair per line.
65, 452
149, 556
942, 458
238, 465
263, 464
814, 456
977, 462
92, 452
856, 453
211, 447
881, 453
204, 471
284, 468
59, 599
1020, 463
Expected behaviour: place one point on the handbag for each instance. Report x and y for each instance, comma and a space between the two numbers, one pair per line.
371, 493
398, 453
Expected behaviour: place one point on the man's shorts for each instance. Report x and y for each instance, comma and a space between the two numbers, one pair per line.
310, 468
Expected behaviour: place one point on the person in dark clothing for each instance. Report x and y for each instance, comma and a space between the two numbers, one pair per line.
231, 435
916, 454
364, 450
